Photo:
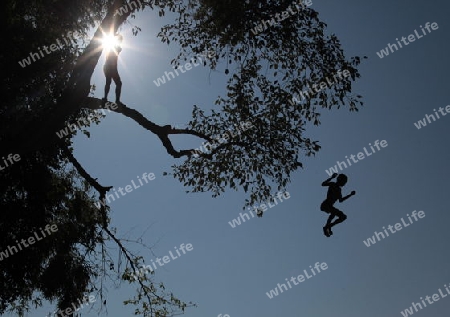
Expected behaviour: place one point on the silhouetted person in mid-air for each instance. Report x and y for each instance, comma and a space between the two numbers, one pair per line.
333, 194
110, 70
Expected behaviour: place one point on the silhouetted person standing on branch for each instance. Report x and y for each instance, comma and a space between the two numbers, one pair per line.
334, 193
110, 69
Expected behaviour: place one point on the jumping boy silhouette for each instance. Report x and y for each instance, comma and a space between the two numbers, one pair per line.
334, 193
110, 70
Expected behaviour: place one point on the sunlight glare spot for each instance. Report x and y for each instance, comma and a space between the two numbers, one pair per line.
109, 41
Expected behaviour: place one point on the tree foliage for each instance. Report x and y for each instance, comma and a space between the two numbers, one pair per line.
48, 186
266, 71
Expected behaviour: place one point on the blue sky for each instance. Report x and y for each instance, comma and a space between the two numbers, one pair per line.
229, 269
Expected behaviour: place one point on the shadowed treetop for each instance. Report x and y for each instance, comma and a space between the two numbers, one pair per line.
265, 71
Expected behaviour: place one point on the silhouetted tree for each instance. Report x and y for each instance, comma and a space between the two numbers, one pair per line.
267, 71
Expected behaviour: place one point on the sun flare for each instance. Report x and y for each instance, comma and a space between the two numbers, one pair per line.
109, 41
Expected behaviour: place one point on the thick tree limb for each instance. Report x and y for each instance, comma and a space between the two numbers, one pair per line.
162, 132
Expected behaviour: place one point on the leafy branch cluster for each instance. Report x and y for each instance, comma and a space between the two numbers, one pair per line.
50, 186
268, 70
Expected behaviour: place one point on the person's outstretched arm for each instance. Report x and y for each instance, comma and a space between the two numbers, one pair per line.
342, 199
327, 182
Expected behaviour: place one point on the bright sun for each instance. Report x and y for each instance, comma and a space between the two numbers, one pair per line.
109, 41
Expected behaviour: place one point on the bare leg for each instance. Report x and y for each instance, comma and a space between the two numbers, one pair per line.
330, 218
339, 220
107, 87
118, 83
327, 228
118, 90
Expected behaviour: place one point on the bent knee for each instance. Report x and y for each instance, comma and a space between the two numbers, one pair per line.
343, 217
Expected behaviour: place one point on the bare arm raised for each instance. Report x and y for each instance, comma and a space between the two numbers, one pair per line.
327, 182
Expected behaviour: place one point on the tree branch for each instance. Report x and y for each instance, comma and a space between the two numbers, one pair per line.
162, 132
93, 182
102, 191
38, 134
